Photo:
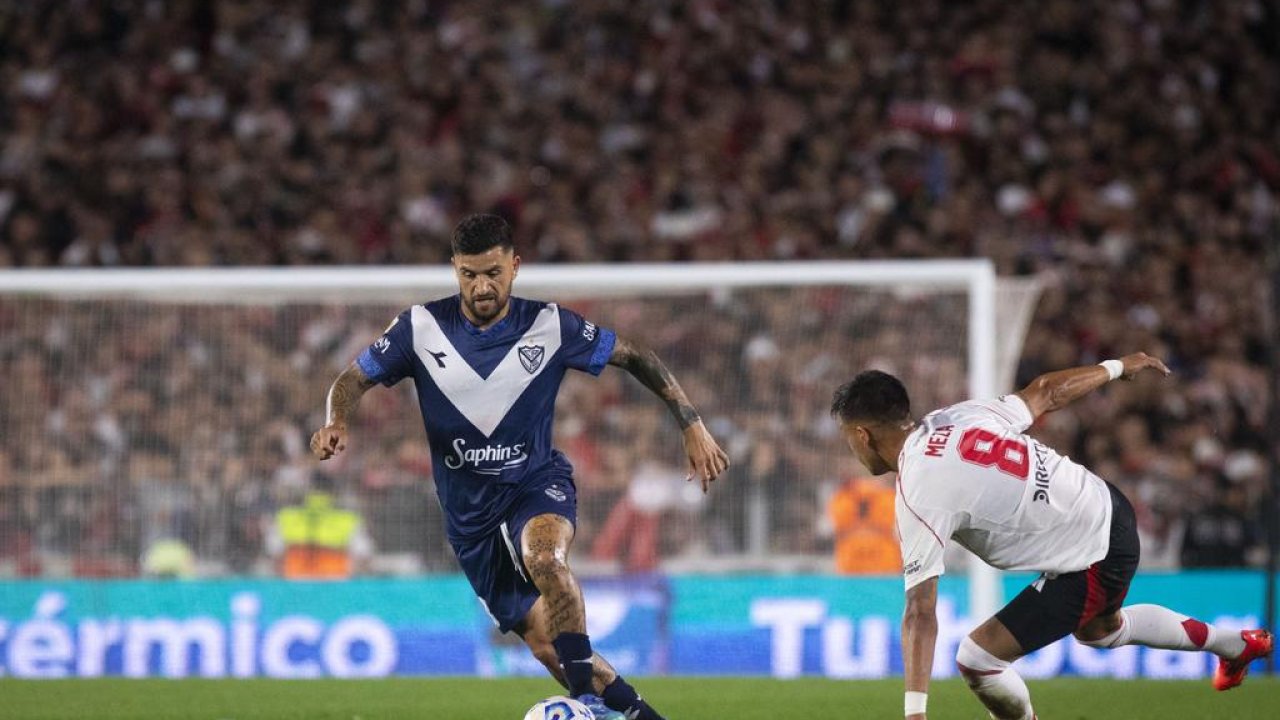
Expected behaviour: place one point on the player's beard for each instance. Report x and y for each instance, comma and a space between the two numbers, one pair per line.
487, 307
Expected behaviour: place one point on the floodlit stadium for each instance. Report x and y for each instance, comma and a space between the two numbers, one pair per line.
626, 263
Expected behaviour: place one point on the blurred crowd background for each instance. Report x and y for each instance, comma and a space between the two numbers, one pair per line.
1125, 152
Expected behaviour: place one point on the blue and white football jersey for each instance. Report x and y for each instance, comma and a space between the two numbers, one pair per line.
487, 397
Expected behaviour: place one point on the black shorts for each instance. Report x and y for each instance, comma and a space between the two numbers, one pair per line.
1053, 607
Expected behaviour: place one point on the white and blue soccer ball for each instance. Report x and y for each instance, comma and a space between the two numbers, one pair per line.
559, 708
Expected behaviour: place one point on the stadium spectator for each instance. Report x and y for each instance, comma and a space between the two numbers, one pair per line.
317, 540
862, 517
169, 558
659, 506
1221, 533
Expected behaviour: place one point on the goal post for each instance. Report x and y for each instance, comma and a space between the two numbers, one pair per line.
957, 306
363, 282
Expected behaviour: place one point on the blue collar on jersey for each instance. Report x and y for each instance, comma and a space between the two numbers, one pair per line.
466, 324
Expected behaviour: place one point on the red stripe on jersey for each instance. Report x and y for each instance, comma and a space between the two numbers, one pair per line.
970, 672
902, 493
1095, 596
1196, 631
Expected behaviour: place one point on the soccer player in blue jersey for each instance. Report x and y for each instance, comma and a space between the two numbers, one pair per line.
487, 367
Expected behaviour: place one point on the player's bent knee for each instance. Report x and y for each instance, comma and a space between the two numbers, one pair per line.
1104, 643
546, 564
975, 664
1092, 638
1103, 632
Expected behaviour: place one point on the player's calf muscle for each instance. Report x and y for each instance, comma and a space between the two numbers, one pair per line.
546, 548
565, 612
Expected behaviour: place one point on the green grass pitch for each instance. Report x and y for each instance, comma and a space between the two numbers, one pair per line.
677, 698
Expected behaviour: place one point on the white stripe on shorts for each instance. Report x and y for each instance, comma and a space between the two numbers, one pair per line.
511, 549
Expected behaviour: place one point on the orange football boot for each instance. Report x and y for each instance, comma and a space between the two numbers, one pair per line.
1230, 673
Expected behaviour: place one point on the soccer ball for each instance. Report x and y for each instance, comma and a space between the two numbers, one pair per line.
559, 708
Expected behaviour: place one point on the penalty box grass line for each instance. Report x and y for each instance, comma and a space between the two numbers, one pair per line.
678, 698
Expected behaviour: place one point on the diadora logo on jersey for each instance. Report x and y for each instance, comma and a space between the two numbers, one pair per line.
485, 401
531, 357
507, 455
555, 493
588, 330
381, 344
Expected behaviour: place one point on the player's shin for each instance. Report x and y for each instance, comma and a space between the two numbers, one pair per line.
620, 696
996, 684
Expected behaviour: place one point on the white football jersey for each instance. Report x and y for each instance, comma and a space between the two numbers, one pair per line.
969, 473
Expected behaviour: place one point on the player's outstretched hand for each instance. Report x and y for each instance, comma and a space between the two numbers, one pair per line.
329, 441
1137, 362
706, 459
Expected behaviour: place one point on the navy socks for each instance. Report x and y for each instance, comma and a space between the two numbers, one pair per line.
574, 651
620, 696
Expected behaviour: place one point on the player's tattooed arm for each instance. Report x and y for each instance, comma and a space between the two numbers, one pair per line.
645, 366
1055, 390
344, 396
706, 459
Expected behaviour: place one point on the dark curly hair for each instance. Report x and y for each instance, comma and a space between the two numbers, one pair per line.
872, 396
479, 233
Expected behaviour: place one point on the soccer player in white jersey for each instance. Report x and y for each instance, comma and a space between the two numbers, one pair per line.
487, 367
969, 473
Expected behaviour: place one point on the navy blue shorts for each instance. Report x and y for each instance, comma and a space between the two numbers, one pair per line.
493, 563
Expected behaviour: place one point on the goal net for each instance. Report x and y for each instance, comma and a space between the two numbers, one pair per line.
147, 406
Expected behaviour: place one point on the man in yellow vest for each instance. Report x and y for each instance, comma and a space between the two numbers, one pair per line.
317, 540
169, 558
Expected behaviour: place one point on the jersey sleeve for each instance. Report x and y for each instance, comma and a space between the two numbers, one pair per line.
923, 533
584, 345
389, 359
1008, 411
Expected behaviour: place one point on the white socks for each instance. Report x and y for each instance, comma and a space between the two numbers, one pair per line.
996, 684
1005, 695
1159, 627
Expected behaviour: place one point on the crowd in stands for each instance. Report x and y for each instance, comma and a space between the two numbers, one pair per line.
1125, 152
